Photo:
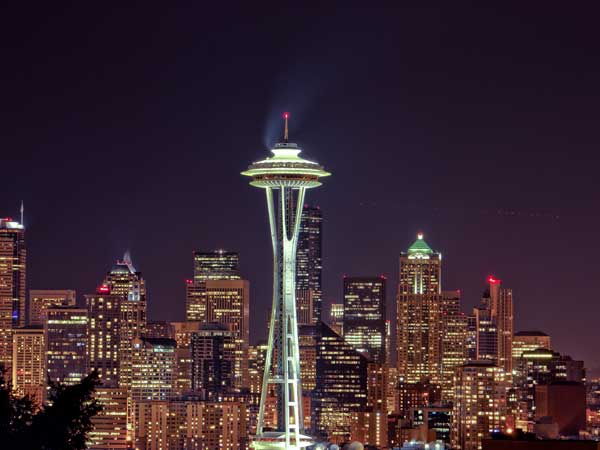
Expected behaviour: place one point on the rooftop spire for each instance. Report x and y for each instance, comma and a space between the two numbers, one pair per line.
22, 211
286, 116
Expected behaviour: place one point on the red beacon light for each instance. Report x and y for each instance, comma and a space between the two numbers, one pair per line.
189, 281
493, 280
104, 289
286, 115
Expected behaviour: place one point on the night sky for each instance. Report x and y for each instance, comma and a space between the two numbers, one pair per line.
126, 128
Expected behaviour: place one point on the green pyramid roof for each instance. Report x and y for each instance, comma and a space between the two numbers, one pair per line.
420, 246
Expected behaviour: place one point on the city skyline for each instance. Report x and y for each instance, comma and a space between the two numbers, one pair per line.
484, 144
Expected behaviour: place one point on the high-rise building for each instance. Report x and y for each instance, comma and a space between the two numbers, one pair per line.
453, 340
309, 262
13, 269
307, 335
110, 424
154, 366
563, 402
364, 315
336, 317
502, 310
66, 340
528, 341
486, 331
159, 329
213, 360
123, 280
103, 335
190, 424
195, 301
29, 362
285, 176
217, 265
341, 389
418, 313
41, 300
479, 403
182, 333
228, 303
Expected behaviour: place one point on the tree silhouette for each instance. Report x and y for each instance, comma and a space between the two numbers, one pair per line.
63, 423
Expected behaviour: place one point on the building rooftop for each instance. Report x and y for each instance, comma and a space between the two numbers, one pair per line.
530, 333
420, 246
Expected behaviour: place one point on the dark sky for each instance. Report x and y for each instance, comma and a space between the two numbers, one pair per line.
126, 128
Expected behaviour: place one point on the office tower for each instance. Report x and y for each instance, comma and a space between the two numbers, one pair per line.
123, 280
29, 362
369, 428
418, 313
304, 307
453, 340
159, 329
41, 300
213, 360
309, 262
182, 333
153, 369
110, 424
416, 395
190, 424
336, 317
479, 403
256, 364
307, 335
341, 389
471, 340
66, 341
502, 310
103, 335
486, 331
285, 176
195, 301
228, 303
564, 402
217, 265
13, 269
431, 423
393, 381
364, 315
528, 341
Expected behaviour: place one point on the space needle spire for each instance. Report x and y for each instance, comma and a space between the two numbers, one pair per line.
285, 176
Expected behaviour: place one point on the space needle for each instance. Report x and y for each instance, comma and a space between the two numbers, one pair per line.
285, 176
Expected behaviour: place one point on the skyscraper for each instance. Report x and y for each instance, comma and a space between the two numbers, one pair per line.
195, 300
418, 313
103, 335
502, 310
341, 389
110, 424
66, 340
13, 269
216, 265
479, 403
285, 176
41, 300
453, 341
364, 315
213, 360
123, 280
153, 369
29, 362
309, 261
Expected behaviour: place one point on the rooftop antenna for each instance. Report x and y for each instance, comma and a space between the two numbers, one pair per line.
22, 211
286, 116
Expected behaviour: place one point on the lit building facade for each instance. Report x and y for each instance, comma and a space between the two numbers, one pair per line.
190, 424
13, 270
195, 301
309, 263
66, 340
336, 317
216, 265
182, 333
418, 313
154, 366
453, 341
103, 335
480, 406
29, 362
41, 300
123, 280
285, 176
228, 303
213, 360
364, 315
110, 424
528, 341
341, 390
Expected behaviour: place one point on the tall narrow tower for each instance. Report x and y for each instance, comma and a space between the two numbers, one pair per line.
285, 176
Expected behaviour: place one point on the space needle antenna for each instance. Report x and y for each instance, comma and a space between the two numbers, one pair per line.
22, 211
286, 116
